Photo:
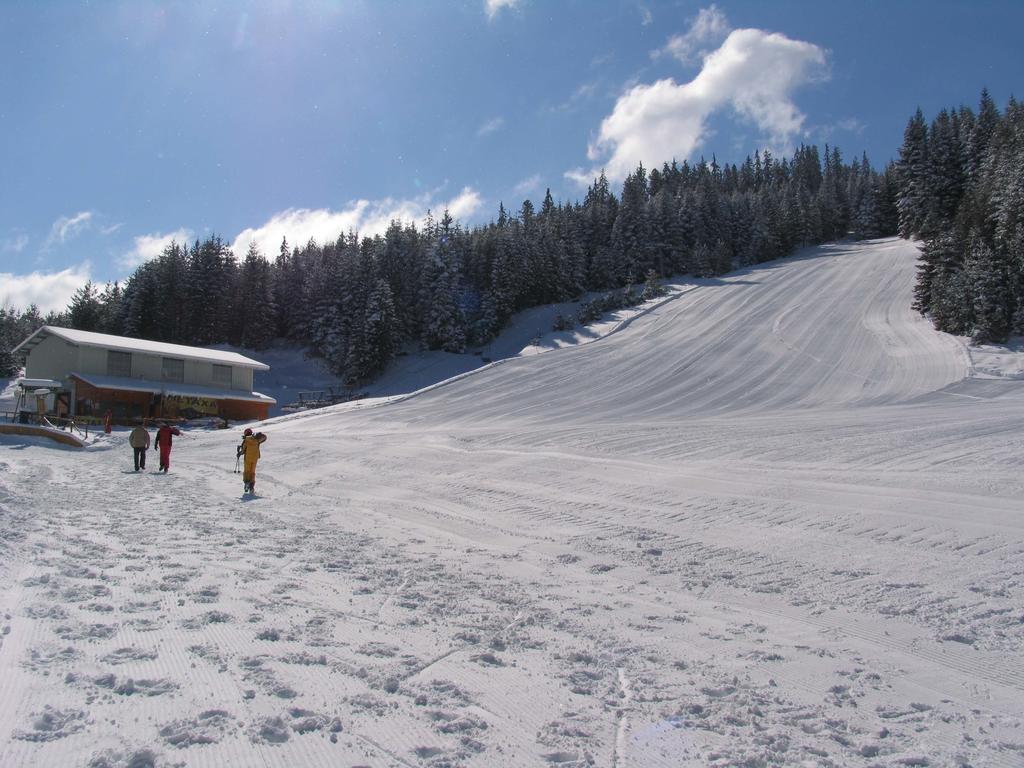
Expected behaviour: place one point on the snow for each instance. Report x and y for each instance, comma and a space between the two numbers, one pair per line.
169, 388
9, 392
528, 333
775, 520
91, 339
999, 361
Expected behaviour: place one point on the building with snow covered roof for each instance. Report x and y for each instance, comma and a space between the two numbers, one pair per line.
92, 373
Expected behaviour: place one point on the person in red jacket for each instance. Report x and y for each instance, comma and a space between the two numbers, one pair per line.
163, 442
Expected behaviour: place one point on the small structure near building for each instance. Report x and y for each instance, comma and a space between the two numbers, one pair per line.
321, 398
88, 374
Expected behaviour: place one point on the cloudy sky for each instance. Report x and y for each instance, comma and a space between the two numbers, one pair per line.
124, 125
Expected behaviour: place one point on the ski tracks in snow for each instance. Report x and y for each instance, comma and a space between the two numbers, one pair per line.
752, 528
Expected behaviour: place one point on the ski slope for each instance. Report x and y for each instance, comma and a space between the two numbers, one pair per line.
776, 520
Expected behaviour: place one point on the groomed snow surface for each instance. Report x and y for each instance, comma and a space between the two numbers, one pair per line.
775, 521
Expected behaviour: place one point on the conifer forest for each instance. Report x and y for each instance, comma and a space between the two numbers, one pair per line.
958, 186
961, 191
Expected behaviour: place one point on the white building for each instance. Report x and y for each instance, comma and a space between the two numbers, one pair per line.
89, 374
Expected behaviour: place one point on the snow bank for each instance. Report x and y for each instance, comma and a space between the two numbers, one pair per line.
998, 361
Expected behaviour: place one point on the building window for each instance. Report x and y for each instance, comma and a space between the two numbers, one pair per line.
119, 364
173, 370
222, 375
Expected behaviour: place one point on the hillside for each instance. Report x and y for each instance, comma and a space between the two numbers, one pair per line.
776, 520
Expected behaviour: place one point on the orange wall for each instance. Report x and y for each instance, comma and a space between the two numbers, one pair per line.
236, 410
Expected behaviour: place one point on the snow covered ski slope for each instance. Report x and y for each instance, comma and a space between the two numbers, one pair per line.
775, 521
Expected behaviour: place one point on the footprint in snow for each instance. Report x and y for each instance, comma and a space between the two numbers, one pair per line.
210, 617
453, 722
205, 728
127, 758
42, 659
131, 687
52, 724
43, 611
79, 594
86, 631
125, 655
306, 721
269, 730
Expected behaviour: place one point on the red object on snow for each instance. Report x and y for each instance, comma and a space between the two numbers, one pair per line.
163, 442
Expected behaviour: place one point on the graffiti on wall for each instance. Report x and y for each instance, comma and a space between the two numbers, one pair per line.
192, 407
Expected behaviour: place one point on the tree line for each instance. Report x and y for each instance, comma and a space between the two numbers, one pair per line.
16, 326
961, 191
356, 302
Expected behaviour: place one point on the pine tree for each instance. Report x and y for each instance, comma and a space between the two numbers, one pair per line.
970, 278
443, 327
866, 220
944, 172
572, 259
210, 280
888, 193
487, 324
652, 288
911, 174
952, 309
927, 268
703, 261
599, 213
8, 340
254, 315
504, 279
378, 339
111, 308
85, 310
631, 230
988, 279
168, 306
721, 258
287, 285
981, 135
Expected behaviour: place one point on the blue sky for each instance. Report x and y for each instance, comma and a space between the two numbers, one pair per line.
126, 124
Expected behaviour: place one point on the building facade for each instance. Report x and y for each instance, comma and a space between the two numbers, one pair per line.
96, 373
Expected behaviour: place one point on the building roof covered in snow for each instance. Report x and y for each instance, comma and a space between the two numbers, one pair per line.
108, 341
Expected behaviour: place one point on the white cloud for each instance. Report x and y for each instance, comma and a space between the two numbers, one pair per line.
709, 27
646, 17
146, 247
15, 244
852, 125
494, 6
581, 94
465, 204
48, 291
827, 131
368, 218
67, 227
490, 126
753, 72
526, 186
580, 177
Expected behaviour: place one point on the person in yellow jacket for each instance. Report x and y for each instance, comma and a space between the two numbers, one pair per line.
250, 451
